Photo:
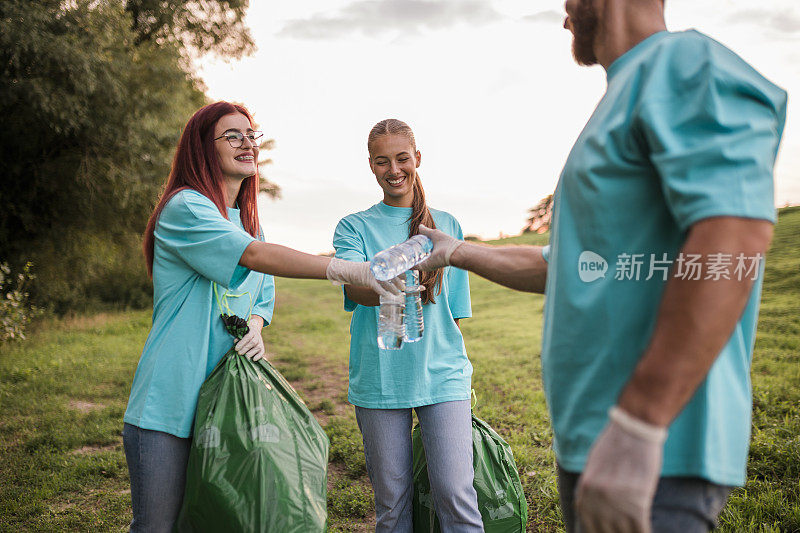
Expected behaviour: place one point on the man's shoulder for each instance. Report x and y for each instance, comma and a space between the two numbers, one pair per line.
690, 61
688, 40
686, 55
690, 53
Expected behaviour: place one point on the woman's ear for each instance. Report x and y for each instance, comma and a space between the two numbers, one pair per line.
419, 158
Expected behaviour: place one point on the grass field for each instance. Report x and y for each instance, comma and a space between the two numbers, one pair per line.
63, 393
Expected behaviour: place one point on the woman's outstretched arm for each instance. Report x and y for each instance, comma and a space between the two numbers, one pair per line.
290, 263
283, 261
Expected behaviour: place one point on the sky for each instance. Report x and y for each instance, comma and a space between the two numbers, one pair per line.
489, 88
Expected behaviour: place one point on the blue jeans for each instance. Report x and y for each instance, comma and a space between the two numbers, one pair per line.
681, 504
157, 466
447, 438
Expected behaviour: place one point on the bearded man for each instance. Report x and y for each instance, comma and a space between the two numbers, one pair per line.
670, 185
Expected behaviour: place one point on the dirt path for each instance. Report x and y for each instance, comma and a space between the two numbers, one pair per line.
325, 392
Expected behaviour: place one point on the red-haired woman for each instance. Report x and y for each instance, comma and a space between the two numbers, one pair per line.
202, 244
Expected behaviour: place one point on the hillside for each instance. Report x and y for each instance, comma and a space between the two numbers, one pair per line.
63, 393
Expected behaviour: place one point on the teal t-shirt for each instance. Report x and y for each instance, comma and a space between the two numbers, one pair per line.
195, 247
432, 370
685, 131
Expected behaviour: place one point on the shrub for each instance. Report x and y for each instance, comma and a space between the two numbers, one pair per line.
85, 271
15, 308
346, 446
349, 499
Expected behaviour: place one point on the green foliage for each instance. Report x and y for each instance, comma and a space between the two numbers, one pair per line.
348, 500
93, 103
198, 25
346, 446
326, 406
90, 270
16, 312
90, 120
536, 239
540, 216
770, 501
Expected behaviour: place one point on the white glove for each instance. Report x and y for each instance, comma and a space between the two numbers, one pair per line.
342, 272
252, 344
443, 247
615, 491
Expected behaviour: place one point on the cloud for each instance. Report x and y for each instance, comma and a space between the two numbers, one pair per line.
786, 21
547, 17
504, 80
377, 17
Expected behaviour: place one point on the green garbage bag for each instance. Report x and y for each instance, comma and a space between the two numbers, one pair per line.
259, 458
501, 501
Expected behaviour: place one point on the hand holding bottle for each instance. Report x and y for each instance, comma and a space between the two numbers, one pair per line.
400, 317
341, 272
396, 260
443, 247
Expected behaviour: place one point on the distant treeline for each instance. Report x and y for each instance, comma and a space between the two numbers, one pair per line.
93, 95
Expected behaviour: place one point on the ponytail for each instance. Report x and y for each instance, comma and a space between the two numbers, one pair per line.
420, 214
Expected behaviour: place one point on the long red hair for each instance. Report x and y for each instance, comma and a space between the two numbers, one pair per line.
196, 167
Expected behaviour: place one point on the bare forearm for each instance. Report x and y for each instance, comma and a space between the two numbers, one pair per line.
362, 295
518, 267
282, 261
695, 321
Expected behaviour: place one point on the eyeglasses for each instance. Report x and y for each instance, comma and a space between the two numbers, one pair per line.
236, 138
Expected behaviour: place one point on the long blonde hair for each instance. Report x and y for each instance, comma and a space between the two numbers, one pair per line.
420, 214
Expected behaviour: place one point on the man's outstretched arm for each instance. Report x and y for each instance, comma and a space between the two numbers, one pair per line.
522, 268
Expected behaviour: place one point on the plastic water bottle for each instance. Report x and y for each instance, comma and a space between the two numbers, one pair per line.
392, 262
390, 322
414, 323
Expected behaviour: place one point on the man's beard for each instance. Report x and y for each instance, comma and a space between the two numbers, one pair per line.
584, 29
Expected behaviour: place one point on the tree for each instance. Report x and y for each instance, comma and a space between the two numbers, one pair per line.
196, 26
90, 119
93, 101
540, 215
266, 186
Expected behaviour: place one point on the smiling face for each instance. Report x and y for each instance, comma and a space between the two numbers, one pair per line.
394, 161
582, 20
235, 163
